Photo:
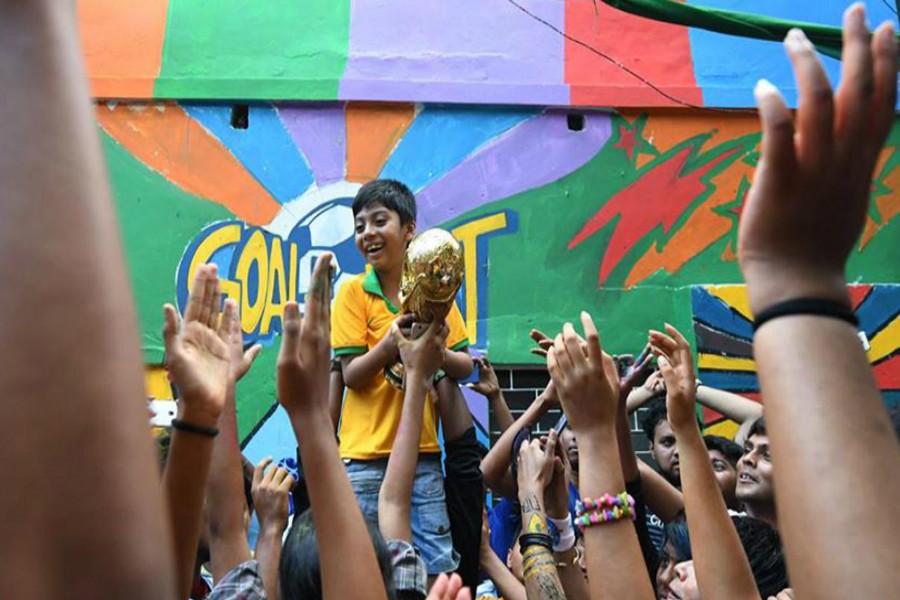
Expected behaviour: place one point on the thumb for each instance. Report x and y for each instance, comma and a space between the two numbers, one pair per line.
170, 326
251, 354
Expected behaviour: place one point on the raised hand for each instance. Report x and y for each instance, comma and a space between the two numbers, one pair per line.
536, 465
543, 341
636, 374
677, 367
425, 354
305, 356
449, 588
270, 490
488, 384
197, 352
810, 193
584, 377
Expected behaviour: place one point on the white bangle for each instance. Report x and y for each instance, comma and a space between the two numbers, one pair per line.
563, 534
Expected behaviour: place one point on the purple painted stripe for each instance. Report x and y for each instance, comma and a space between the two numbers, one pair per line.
478, 406
320, 132
402, 50
537, 152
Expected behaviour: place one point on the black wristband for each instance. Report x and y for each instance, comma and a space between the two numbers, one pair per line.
535, 539
191, 428
807, 306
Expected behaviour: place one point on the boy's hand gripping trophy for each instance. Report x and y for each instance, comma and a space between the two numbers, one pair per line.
432, 274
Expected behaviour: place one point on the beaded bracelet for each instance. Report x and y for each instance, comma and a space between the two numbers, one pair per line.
605, 509
605, 501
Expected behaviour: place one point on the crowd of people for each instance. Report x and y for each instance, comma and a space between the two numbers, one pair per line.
801, 504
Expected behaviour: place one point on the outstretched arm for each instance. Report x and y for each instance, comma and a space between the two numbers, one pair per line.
421, 358
225, 500
71, 384
303, 366
495, 466
813, 184
489, 386
732, 406
589, 391
197, 360
722, 568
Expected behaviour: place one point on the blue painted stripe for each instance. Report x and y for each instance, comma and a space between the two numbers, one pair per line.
714, 312
442, 136
732, 381
727, 68
891, 398
265, 148
879, 308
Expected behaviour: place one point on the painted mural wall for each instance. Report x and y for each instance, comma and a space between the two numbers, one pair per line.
629, 211
623, 213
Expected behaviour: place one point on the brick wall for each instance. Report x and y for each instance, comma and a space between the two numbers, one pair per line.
522, 385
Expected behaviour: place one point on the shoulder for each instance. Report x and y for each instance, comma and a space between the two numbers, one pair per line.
351, 290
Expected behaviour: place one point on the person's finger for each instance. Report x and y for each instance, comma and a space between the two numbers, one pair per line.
563, 360
553, 366
884, 50
259, 471
853, 100
215, 302
595, 350
668, 372
170, 327
662, 341
677, 336
573, 345
777, 134
279, 474
206, 300
454, 586
815, 113
552, 439
288, 483
251, 354
464, 594
487, 363
318, 298
226, 323
292, 323
195, 296
538, 352
439, 588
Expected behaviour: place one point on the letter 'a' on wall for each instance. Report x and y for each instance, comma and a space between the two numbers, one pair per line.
239, 134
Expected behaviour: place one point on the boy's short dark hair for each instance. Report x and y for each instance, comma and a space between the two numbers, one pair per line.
727, 448
762, 545
390, 193
758, 428
655, 412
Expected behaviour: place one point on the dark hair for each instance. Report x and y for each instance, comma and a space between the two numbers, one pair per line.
758, 427
727, 448
762, 545
655, 412
676, 533
390, 193
300, 571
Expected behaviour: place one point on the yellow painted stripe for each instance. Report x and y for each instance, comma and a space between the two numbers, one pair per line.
734, 296
726, 429
726, 363
885, 341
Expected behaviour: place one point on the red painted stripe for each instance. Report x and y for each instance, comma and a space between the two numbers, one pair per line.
658, 52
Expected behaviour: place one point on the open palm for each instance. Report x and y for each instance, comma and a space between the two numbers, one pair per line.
197, 353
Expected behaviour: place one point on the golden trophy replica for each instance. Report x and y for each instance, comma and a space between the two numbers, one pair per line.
432, 274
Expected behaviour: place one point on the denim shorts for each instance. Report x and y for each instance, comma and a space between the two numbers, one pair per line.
429, 520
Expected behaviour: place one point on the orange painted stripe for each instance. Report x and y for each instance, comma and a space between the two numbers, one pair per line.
167, 140
122, 44
373, 131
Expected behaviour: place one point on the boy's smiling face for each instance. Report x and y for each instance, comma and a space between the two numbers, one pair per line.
381, 238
